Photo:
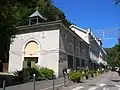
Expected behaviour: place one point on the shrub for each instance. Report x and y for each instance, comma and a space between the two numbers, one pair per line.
75, 76
92, 73
101, 71
83, 74
27, 74
46, 73
32, 71
19, 76
87, 74
96, 72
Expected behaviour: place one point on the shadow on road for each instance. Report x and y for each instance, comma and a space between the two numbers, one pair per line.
109, 85
115, 80
92, 84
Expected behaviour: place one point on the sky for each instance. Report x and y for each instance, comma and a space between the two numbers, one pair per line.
102, 16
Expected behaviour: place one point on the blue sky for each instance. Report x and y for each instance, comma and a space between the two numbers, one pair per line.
99, 15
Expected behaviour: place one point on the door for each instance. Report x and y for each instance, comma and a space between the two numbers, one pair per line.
29, 62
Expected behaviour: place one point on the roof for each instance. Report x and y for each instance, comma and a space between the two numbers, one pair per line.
104, 51
86, 31
81, 29
36, 14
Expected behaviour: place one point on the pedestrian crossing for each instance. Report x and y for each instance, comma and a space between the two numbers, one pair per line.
92, 88
98, 87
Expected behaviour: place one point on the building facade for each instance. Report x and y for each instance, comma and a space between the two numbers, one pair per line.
96, 52
51, 45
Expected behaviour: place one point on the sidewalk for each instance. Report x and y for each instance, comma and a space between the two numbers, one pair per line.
40, 85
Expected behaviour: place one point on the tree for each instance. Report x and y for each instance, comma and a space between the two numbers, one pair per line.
118, 52
24, 8
7, 29
113, 56
117, 1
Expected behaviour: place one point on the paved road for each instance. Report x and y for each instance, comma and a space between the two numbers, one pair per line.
107, 81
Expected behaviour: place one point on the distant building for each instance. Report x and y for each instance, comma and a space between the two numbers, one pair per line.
97, 53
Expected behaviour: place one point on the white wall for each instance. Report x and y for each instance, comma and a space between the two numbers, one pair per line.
47, 41
82, 34
50, 60
15, 62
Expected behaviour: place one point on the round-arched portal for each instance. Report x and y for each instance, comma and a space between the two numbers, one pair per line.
31, 49
31, 53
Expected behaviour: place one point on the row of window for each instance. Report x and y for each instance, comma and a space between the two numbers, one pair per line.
77, 62
68, 40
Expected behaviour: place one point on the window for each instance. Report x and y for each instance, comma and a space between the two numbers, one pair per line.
77, 51
31, 48
70, 48
83, 63
77, 63
70, 61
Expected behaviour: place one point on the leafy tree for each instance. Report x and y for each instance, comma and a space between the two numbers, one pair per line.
24, 8
118, 52
113, 55
6, 27
117, 1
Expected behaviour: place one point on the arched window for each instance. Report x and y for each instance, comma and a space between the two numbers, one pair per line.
77, 51
31, 48
70, 48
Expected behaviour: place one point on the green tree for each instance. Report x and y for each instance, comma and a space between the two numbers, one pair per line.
6, 27
117, 1
113, 55
118, 52
24, 8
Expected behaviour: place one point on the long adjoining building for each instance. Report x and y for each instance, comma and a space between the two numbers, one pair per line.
96, 51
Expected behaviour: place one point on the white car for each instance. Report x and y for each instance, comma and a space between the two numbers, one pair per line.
117, 69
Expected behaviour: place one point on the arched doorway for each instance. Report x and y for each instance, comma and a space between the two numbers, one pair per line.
31, 53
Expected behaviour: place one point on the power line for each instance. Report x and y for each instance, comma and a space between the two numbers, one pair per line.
108, 34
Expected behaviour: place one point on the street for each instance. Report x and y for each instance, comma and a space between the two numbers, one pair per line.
106, 81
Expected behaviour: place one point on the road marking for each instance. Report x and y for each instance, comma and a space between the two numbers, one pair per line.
101, 85
78, 88
52, 86
92, 88
117, 86
106, 88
